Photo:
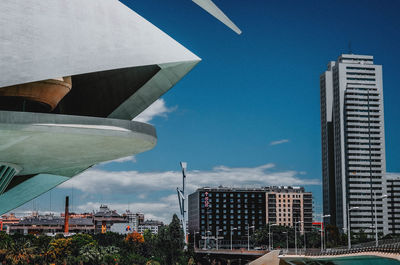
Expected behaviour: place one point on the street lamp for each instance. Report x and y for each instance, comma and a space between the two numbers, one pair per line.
322, 230
194, 239
218, 230
248, 236
287, 241
348, 225
295, 235
205, 239
232, 228
269, 235
376, 218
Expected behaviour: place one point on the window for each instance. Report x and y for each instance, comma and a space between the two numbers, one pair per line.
239, 233
217, 200
238, 195
231, 195
245, 195
224, 195
239, 222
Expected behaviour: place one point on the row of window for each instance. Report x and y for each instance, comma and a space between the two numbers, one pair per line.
238, 195
238, 211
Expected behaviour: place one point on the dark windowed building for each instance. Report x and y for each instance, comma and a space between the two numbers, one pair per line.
222, 212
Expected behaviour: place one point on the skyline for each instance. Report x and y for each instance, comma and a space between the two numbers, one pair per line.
245, 125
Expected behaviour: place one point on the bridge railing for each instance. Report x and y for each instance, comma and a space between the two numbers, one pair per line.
387, 248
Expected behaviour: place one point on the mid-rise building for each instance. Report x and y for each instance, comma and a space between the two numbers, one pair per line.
152, 225
220, 212
51, 225
105, 218
353, 143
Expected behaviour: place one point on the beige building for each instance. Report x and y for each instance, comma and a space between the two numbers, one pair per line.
287, 205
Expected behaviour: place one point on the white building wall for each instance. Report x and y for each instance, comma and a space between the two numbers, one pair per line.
359, 142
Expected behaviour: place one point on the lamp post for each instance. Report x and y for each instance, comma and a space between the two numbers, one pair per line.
218, 230
322, 230
348, 225
287, 241
305, 243
248, 236
194, 239
269, 235
232, 228
295, 235
205, 239
376, 218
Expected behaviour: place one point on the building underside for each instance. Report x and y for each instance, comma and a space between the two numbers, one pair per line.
73, 75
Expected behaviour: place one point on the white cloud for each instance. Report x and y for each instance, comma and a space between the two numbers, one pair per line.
158, 189
279, 142
102, 181
158, 108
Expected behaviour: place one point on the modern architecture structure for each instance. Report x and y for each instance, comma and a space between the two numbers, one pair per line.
73, 75
353, 143
220, 212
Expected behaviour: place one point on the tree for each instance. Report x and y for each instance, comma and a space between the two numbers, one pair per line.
134, 238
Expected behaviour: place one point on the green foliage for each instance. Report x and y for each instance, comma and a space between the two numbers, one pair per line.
166, 248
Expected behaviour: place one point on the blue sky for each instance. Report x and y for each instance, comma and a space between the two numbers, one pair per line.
249, 91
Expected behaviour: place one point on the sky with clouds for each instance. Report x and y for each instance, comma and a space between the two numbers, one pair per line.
249, 113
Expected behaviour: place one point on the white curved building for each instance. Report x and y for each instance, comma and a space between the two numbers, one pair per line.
73, 75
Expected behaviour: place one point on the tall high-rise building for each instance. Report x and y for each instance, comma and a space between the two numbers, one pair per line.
353, 143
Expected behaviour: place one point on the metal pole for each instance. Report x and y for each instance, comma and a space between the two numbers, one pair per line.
272, 240
269, 237
322, 225
305, 247
295, 237
287, 242
376, 223
348, 227
231, 238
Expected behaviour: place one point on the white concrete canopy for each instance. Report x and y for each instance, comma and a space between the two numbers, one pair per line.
213, 10
119, 64
53, 38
